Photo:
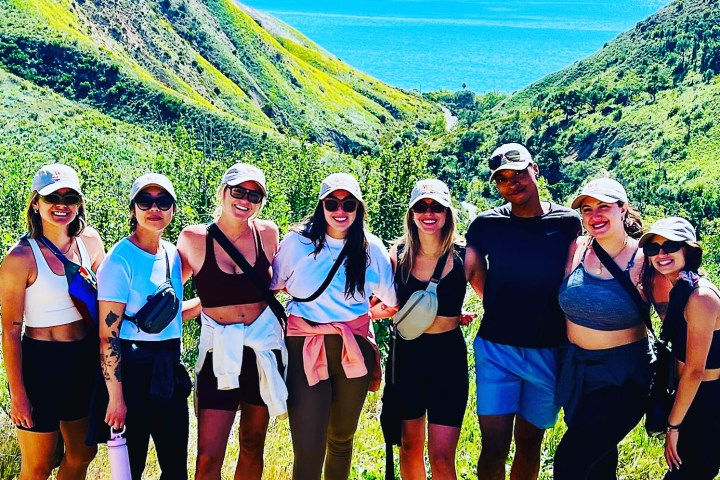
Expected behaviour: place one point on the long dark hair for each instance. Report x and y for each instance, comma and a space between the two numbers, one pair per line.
314, 228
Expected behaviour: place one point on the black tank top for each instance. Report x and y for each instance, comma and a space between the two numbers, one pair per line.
450, 289
219, 289
675, 326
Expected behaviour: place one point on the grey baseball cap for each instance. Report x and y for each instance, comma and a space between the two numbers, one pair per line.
55, 176
152, 179
431, 188
676, 229
602, 189
244, 172
340, 181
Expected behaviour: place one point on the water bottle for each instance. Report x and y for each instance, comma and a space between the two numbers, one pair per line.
118, 456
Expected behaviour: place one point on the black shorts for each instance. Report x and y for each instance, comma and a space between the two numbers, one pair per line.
58, 378
208, 395
431, 376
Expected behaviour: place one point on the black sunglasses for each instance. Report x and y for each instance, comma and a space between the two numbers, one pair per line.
434, 207
70, 198
502, 158
348, 205
253, 196
163, 202
653, 248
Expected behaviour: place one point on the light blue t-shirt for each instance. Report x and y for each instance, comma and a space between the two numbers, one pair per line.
129, 275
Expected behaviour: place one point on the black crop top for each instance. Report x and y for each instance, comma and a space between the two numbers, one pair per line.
450, 289
217, 288
675, 326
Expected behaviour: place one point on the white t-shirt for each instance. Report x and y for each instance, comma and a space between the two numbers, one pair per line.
300, 272
129, 275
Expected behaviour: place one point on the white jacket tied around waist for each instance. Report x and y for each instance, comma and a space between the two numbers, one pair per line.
227, 341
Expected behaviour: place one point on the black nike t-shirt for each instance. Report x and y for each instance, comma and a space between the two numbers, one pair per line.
526, 262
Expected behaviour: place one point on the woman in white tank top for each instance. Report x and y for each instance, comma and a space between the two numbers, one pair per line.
51, 367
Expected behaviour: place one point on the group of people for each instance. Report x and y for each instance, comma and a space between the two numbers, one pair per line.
563, 326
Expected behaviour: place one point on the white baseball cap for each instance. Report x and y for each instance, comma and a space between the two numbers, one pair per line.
152, 179
55, 176
431, 188
340, 181
244, 172
602, 189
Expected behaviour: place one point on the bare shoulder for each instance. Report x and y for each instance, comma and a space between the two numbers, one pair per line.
193, 233
19, 260
91, 238
268, 230
706, 297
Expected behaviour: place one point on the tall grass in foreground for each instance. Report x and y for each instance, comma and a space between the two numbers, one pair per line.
641, 458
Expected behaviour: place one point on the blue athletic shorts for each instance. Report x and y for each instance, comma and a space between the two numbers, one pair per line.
517, 380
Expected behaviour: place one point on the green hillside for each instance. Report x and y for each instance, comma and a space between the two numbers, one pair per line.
228, 73
645, 108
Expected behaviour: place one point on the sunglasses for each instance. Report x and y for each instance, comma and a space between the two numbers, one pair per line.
348, 205
434, 207
253, 196
503, 158
70, 198
653, 248
163, 202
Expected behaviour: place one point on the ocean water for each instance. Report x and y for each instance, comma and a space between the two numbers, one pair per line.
443, 44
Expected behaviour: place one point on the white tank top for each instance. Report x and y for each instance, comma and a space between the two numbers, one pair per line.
47, 303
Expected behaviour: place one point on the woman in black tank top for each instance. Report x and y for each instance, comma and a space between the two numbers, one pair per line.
430, 371
692, 326
232, 302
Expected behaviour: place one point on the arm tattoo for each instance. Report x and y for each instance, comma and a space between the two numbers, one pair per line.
114, 351
105, 371
111, 318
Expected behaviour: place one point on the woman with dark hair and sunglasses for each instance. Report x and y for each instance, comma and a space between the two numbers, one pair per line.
605, 376
147, 385
426, 387
692, 328
241, 341
51, 367
333, 358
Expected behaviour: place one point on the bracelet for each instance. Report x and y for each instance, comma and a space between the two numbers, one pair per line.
671, 427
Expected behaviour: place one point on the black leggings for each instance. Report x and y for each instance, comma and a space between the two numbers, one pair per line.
588, 450
324, 417
699, 437
167, 421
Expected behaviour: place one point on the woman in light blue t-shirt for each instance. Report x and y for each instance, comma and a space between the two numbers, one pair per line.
147, 385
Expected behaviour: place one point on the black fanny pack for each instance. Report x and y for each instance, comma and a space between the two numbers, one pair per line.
160, 308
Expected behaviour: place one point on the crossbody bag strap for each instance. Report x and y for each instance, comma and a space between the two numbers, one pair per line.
626, 283
56, 251
167, 266
328, 279
437, 274
237, 257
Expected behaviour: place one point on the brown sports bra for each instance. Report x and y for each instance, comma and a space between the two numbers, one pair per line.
220, 289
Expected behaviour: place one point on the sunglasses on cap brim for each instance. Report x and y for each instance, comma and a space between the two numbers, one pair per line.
511, 156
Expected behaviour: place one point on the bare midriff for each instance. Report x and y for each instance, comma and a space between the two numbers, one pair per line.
231, 314
443, 324
592, 339
70, 332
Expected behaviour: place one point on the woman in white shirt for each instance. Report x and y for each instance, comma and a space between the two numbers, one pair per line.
333, 358
147, 385
51, 367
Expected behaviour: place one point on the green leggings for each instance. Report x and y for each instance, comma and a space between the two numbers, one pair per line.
324, 417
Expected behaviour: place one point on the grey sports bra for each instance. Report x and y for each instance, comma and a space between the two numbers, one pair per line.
598, 303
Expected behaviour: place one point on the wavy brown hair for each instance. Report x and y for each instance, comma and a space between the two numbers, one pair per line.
34, 222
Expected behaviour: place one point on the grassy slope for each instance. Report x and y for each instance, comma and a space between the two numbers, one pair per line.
644, 108
199, 60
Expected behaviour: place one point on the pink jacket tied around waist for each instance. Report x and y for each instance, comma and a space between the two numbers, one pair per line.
315, 358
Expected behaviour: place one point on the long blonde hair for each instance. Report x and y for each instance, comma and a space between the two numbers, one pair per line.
411, 241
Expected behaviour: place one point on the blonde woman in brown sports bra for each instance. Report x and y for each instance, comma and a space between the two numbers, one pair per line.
241, 340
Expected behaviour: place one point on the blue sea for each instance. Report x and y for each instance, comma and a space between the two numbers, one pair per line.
442, 44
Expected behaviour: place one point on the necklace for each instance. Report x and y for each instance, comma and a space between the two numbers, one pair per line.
599, 270
72, 242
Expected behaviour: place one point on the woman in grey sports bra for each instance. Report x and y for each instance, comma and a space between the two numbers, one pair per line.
51, 366
606, 372
692, 327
